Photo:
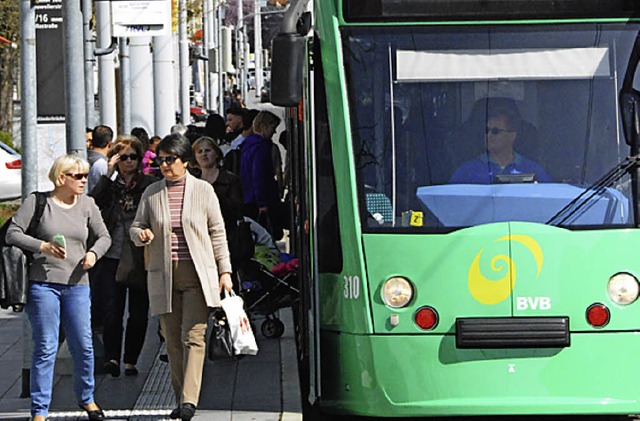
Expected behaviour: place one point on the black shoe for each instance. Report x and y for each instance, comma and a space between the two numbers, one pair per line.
112, 367
175, 414
95, 415
187, 411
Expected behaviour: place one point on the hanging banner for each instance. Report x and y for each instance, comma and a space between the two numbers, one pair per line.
132, 18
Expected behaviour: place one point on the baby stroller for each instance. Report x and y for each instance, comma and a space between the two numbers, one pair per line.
264, 293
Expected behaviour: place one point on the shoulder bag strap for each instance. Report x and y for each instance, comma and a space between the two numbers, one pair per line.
41, 201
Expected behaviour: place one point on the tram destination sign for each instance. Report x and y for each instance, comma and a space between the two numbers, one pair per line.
132, 18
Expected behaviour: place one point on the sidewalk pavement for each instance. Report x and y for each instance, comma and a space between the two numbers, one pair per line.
262, 387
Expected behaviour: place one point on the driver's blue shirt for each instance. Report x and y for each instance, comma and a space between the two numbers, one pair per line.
482, 170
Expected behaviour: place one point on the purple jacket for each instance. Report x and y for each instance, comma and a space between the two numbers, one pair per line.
256, 170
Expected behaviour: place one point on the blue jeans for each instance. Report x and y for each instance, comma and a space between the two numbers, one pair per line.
48, 307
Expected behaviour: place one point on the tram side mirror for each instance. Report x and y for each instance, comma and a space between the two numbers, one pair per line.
630, 113
288, 52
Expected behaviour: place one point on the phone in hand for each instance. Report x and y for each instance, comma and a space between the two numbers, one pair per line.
59, 240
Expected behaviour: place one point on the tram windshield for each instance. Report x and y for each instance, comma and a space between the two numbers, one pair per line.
454, 127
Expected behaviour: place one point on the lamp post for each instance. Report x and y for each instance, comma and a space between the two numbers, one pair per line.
183, 56
239, 43
257, 46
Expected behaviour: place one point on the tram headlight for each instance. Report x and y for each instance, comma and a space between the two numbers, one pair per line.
623, 288
397, 292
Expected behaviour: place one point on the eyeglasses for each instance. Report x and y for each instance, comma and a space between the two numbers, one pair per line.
78, 176
133, 157
168, 159
497, 130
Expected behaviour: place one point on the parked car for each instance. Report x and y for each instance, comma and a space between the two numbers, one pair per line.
196, 114
10, 173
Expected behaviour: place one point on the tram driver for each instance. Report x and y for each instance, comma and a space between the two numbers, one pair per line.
500, 159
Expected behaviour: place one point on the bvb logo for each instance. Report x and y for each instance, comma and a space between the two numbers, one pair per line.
490, 292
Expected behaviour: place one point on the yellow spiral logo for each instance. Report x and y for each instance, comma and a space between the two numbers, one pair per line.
490, 291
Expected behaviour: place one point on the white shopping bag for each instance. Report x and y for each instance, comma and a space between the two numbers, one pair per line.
244, 343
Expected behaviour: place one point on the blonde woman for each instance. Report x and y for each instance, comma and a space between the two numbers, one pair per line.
226, 184
260, 188
59, 285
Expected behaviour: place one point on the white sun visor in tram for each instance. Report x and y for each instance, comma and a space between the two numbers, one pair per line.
470, 65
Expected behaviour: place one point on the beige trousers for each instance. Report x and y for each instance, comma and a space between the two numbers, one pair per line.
185, 331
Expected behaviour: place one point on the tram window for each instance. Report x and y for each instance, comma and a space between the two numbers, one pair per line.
422, 103
329, 244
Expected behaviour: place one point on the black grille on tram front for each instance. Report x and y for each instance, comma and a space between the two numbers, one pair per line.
513, 332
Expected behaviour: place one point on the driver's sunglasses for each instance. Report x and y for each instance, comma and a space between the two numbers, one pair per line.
497, 130
170, 159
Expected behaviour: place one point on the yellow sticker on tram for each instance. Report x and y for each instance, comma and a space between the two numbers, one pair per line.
416, 219
412, 218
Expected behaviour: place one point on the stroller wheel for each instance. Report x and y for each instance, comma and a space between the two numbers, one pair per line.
272, 328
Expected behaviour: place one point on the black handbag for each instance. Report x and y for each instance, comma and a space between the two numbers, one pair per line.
131, 272
220, 346
14, 262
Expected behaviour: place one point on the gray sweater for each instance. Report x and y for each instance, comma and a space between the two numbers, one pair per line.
77, 224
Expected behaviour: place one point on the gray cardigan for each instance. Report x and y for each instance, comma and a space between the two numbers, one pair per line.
203, 230
77, 224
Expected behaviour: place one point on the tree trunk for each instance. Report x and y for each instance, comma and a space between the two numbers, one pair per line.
8, 64
9, 60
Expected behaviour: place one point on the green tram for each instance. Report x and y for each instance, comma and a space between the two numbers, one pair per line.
465, 184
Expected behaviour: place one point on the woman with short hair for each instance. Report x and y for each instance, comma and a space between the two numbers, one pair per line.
179, 219
260, 188
59, 292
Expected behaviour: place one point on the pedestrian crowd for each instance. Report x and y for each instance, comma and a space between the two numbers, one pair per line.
157, 233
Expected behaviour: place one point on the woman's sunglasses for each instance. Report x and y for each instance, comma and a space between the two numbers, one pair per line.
133, 157
168, 159
78, 176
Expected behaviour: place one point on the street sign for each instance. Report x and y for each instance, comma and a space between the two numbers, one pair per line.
132, 18
49, 63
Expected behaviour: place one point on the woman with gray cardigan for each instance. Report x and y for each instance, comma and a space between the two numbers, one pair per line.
59, 292
179, 220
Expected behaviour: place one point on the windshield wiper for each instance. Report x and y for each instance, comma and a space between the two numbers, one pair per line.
584, 200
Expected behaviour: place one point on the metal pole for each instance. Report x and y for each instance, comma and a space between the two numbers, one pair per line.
221, 73
89, 63
207, 42
29, 142
141, 74
184, 62
164, 92
74, 79
106, 67
257, 55
28, 95
239, 44
245, 63
125, 85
